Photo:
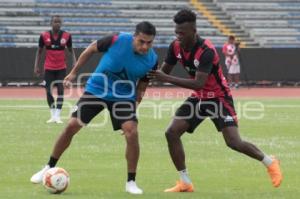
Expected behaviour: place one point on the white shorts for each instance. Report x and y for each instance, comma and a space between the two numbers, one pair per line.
232, 64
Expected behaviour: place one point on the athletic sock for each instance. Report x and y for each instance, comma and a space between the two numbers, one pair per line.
184, 176
131, 176
52, 162
57, 113
53, 112
267, 161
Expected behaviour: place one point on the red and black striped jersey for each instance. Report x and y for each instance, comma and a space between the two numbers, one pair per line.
202, 57
55, 45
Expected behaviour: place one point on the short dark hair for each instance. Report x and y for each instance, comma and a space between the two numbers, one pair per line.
146, 28
231, 37
185, 15
54, 16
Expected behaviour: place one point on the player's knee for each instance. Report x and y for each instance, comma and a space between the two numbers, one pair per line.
130, 129
171, 134
131, 133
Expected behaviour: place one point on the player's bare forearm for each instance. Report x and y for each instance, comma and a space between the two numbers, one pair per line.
166, 68
140, 90
71, 50
38, 57
194, 84
185, 83
84, 57
37, 61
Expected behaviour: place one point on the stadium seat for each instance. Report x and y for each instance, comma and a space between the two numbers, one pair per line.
21, 22
272, 23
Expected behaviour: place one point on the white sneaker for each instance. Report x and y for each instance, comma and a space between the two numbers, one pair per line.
51, 120
38, 177
58, 120
132, 188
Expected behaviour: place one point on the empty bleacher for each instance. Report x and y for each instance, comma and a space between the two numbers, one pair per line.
273, 23
258, 23
21, 22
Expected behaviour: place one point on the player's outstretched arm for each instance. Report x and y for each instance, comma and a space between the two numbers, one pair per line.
83, 58
198, 82
166, 68
194, 84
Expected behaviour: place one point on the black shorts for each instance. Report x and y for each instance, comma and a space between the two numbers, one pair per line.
89, 106
54, 76
220, 110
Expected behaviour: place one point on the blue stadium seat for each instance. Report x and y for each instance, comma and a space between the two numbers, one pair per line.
273, 23
21, 22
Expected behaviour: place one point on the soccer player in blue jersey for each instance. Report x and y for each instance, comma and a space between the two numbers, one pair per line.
118, 84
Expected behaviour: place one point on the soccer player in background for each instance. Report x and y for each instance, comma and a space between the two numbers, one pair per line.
54, 42
117, 84
230, 50
211, 98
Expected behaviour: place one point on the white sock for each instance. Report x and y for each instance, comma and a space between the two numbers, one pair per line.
267, 161
184, 176
53, 112
57, 113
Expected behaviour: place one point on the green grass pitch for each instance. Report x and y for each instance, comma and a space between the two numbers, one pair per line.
96, 161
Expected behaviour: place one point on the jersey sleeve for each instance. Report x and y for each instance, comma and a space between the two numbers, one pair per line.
206, 61
41, 42
69, 43
171, 58
104, 43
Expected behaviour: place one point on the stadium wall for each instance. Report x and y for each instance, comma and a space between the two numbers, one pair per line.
262, 64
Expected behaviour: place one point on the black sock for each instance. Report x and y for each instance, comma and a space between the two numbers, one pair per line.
131, 176
52, 162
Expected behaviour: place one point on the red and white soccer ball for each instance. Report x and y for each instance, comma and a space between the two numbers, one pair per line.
56, 180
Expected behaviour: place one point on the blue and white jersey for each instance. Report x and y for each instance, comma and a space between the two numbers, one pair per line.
119, 69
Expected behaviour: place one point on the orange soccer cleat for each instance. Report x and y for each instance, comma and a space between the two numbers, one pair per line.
275, 173
181, 187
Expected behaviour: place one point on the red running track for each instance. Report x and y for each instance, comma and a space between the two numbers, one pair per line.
153, 93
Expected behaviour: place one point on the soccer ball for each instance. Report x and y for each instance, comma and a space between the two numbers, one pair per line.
56, 180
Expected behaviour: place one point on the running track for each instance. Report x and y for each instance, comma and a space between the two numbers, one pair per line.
154, 92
